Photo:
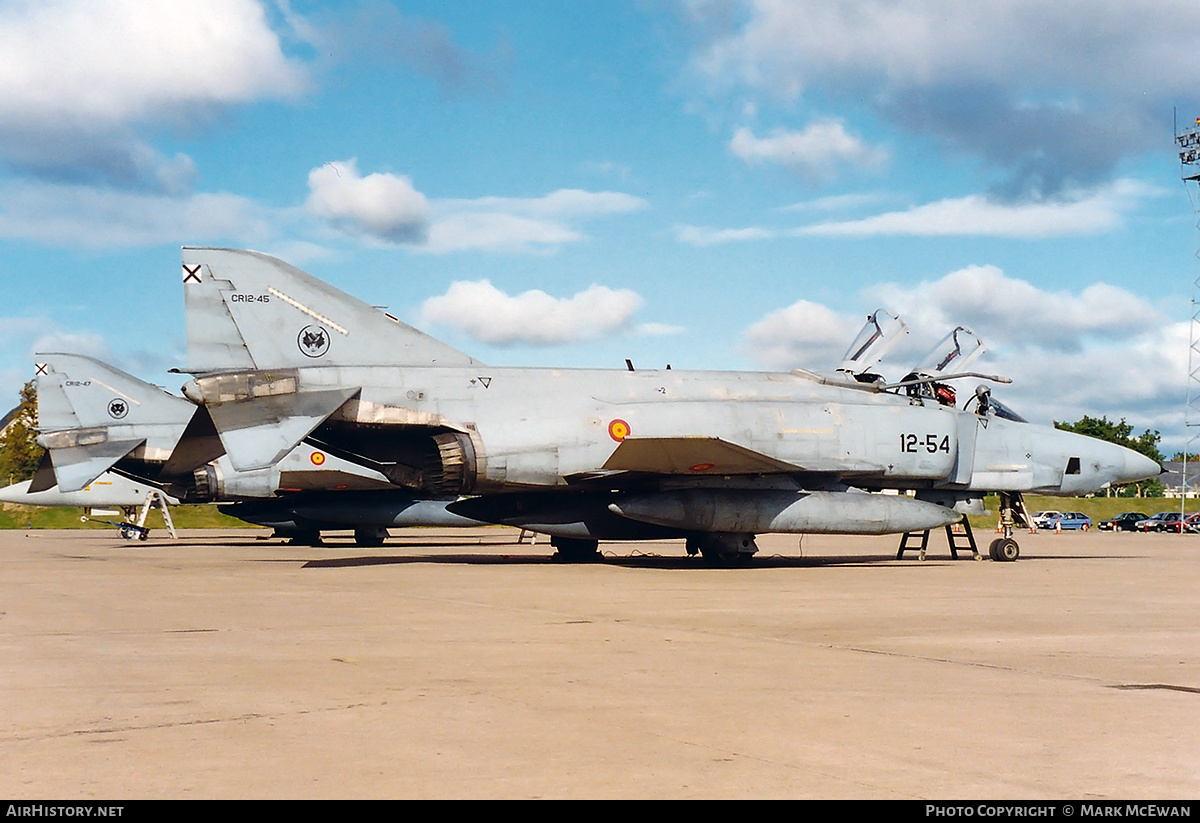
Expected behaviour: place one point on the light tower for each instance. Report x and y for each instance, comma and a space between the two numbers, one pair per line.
1188, 142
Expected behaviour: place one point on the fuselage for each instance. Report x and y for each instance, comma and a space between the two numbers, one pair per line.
528, 428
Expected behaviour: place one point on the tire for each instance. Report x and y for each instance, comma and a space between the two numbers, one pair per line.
1004, 550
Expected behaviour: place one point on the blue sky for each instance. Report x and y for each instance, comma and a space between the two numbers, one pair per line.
714, 185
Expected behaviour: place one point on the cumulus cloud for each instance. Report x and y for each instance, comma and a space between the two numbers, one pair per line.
803, 335
532, 317
993, 304
1014, 82
384, 206
387, 208
816, 154
124, 60
77, 79
1098, 351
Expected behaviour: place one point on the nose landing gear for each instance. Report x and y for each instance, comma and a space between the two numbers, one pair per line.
1012, 507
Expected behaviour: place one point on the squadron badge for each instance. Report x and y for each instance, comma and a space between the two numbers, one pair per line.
313, 341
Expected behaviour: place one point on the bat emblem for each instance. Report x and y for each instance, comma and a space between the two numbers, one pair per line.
313, 341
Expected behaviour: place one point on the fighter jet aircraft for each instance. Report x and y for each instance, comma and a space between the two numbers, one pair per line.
280, 358
94, 417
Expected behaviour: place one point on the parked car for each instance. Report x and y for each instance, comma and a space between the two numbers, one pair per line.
1192, 524
1069, 520
1123, 522
1159, 522
1183, 523
1040, 519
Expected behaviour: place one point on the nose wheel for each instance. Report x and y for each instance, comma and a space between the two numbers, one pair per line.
1004, 550
1012, 506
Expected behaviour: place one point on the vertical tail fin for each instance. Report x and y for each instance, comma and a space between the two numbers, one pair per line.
247, 310
92, 415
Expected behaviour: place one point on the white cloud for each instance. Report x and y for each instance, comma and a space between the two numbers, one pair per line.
788, 43
701, 236
1079, 213
497, 231
816, 153
1085, 213
79, 79
522, 224
110, 62
1015, 82
994, 304
383, 206
106, 218
387, 208
1098, 351
559, 204
836, 202
803, 335
532, 317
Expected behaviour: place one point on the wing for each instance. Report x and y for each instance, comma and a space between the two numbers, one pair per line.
712, 456
692, 456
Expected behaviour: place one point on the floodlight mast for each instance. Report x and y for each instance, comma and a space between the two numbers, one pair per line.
1188, 142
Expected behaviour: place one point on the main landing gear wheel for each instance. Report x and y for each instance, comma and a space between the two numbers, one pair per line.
576, 550
1004, 550
370, 537
301, 537
723, 550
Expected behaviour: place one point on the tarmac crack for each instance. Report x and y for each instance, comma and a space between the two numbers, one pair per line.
177, 724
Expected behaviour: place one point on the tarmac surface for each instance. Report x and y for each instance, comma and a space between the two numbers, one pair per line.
457, 663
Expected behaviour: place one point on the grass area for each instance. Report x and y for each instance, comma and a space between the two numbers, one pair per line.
43, 517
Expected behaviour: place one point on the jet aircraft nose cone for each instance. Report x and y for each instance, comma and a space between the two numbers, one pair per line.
1137, 467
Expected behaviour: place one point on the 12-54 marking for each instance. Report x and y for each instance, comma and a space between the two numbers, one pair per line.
912, 443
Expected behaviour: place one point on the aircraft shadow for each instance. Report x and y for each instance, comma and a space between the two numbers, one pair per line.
622, 561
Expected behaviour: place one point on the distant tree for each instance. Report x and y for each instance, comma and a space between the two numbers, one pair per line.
1122, 434
19, 451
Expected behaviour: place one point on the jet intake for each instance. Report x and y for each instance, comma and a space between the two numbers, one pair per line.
754, 512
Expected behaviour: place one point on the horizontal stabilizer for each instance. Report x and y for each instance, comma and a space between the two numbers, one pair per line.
258, 433
247, 310
692, 456
77, 466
